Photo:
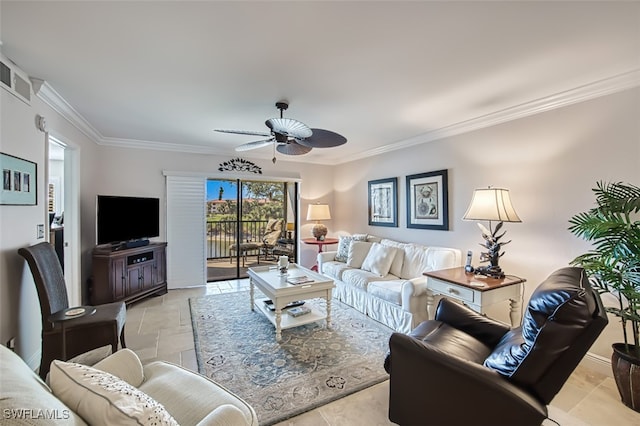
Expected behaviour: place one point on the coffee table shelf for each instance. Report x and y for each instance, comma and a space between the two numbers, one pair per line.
287, 320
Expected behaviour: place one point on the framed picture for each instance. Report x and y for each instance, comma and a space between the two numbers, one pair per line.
19, 181
383, 202
427, 201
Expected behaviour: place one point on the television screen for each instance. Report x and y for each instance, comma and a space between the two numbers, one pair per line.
122, 219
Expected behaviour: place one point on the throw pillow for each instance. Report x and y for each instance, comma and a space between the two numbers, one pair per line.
358, 251
344, 243
379, 259
101, 398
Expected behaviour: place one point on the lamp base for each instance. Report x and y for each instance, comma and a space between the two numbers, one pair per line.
489, 271
319, 231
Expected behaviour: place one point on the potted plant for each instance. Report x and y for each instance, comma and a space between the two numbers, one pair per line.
613, 265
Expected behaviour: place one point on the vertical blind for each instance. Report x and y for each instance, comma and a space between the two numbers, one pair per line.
186, 231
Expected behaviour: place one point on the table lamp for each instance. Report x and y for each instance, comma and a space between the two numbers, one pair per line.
290, 227
491, 204
319, 212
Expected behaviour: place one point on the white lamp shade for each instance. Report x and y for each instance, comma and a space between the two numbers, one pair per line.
318, 212
491, 204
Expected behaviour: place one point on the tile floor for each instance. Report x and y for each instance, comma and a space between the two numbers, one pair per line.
160, 328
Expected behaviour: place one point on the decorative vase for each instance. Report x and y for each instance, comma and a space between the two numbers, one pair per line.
626, 371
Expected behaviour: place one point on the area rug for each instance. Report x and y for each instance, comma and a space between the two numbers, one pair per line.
311, 365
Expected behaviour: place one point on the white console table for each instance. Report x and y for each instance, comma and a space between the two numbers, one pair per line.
476, 291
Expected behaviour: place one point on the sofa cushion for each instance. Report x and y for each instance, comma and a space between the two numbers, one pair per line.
441, 258
23, 390
334, 269
415, 256
391, 291
379, 259
344, 243
398, 260
358, 251
102, 398
360, 278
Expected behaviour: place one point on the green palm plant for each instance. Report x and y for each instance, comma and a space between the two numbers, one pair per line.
613, 226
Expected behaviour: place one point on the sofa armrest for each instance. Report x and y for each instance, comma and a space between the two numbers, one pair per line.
325, 256
463, 318
459, 391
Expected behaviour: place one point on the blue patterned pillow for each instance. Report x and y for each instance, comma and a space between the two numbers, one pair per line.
344, 243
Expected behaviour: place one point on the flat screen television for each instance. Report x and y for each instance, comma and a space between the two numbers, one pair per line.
127, 219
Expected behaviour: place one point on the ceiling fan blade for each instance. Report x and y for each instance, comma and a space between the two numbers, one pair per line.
292, 148
243, 132
289, 127
254, 145
322, 138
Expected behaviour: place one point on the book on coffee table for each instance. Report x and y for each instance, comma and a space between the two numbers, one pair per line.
299, 280
298, 311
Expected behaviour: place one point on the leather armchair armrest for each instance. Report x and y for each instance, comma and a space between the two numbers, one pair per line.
463, 318
428, 386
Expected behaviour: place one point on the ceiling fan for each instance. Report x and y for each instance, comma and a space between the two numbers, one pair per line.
289, 136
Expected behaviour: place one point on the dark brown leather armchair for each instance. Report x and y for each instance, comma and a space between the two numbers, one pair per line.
83, 334
464, 368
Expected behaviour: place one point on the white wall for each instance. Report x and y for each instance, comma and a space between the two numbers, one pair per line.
549, 162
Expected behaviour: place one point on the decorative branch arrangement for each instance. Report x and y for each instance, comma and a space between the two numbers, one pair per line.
492, 255
238, 164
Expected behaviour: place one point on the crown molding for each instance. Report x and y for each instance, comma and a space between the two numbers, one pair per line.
52, 98
607, 86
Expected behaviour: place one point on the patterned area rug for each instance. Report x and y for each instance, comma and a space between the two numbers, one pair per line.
310, 367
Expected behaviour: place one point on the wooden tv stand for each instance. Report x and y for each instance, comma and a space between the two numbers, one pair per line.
128, 275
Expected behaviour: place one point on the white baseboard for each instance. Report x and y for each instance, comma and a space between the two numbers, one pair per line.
597, 363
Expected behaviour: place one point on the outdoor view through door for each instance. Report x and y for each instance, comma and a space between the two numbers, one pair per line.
266, 210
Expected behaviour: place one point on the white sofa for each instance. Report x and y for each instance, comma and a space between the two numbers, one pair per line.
383, 279
117, 390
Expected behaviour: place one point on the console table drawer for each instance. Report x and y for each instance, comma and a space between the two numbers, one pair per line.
450, 290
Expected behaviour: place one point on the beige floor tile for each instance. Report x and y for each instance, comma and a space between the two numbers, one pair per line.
175, 343
139, 341
188, 360
155, 319
311, 418
603, 407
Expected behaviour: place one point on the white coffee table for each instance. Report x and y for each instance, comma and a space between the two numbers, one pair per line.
275, 287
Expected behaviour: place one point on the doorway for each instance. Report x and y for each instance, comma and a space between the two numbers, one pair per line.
62, 211
248, 224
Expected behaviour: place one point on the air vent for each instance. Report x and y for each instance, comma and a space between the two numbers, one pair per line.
5, 74
22, 87
14, 80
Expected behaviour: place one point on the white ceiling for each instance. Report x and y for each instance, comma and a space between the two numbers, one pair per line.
380, 73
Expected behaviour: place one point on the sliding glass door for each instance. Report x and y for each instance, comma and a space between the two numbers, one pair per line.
249, 223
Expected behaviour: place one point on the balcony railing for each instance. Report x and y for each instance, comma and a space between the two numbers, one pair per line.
221, 234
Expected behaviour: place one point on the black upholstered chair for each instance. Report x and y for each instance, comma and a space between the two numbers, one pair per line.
464, 368
104, 327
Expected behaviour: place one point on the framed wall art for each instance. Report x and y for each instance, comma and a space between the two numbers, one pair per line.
427, 201
383, 202
19, 181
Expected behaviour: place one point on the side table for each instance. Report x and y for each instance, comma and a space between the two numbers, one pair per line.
320, 244
476, 291
66, 315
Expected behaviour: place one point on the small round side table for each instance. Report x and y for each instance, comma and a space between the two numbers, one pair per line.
66, 315
320, 244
